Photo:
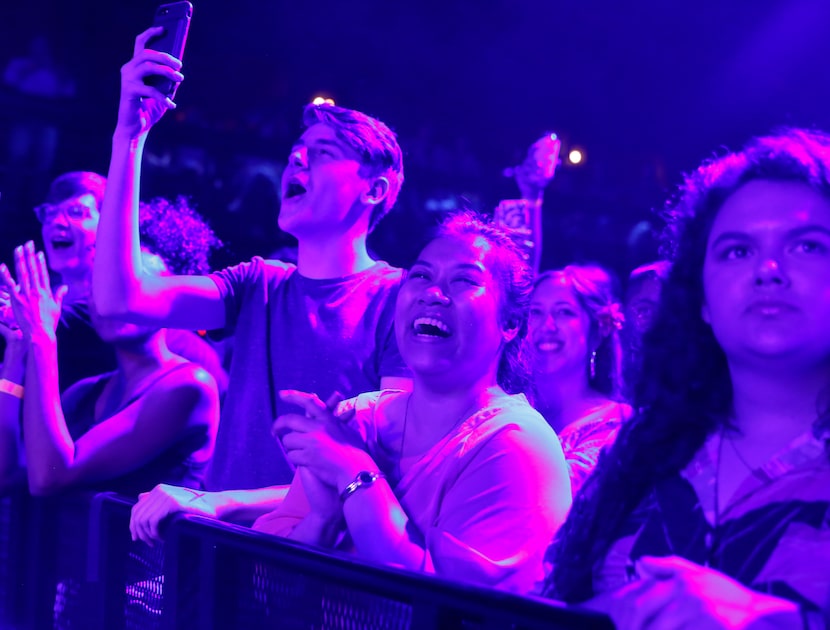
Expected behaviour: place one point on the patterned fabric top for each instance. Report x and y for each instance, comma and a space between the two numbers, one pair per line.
582, 441
773, 535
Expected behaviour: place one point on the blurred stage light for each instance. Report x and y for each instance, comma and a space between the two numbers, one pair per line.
322, 100
575, 156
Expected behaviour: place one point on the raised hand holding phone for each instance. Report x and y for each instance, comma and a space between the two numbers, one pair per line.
174, 20
149, 80
141, 105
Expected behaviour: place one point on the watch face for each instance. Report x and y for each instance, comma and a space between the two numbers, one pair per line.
366, 477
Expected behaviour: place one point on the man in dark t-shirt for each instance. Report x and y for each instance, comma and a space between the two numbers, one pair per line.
322, 325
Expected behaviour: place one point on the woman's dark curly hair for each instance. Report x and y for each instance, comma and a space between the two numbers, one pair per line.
178, 235
684, 392
516, 280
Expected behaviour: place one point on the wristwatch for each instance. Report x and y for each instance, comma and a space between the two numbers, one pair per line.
363, 479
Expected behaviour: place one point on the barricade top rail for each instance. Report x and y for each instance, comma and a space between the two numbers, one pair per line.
398, 584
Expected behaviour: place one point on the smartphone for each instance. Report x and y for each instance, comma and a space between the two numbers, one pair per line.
175, 19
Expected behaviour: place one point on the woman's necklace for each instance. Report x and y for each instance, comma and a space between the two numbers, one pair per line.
752, 470
403, 435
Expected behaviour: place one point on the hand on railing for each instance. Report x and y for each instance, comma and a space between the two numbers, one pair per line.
153, 508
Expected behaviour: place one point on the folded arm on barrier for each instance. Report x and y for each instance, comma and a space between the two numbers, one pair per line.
163, 501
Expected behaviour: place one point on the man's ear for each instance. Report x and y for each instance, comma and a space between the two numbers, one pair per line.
377, 192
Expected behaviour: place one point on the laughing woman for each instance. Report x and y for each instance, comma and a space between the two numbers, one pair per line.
458, 477
712, 509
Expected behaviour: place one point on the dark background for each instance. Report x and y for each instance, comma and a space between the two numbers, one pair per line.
647, 89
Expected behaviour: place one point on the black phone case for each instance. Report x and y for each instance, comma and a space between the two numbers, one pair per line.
175, 18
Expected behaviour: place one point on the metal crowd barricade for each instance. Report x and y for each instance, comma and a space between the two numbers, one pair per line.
69, 563
13, 543
220, 576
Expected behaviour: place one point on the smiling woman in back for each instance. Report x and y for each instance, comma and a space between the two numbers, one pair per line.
573, 346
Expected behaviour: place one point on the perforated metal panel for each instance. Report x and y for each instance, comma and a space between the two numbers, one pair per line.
7, 578
270, 596
144, 587
81, 571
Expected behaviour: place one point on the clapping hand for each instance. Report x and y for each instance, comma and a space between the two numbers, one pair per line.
36, 309
8, 324
320, 442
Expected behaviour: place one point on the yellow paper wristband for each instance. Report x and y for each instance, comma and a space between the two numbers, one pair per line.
12, 389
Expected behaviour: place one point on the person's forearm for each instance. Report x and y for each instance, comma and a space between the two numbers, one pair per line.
116, 281
775, 613
536, 230
317, 530
49, 447
379, 528
13, 370
14, 362
246, 505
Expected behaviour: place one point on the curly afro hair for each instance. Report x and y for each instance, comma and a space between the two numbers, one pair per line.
178, 234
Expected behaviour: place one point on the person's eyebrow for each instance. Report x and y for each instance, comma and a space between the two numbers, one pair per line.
808, 229
801, 230
469, 267
325, 142
301, 143
459, 266
730, 236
